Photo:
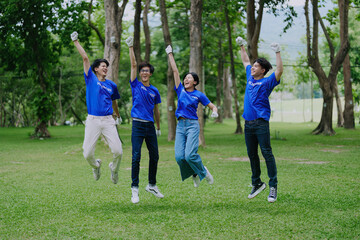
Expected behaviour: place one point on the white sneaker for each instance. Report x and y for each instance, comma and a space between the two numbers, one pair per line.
114, 175
209, 178
134, 195
96, 171
196, 180
154, 190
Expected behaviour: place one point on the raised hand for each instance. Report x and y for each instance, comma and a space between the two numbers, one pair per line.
129, 41
168, 49
74, 36
240, 41
275, 47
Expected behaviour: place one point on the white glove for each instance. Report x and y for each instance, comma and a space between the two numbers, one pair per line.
275, 47
118, 121
158, 132
129, 41
214, 115
74, 36
168, 49
240, 41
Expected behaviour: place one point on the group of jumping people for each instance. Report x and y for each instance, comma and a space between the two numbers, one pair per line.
103, 116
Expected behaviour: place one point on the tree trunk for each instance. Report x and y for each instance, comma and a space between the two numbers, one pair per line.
98, 33
327, 83
137, 31
253, 26
325, 125
219, 81
41, 131
349, 119
113, 31
147, 31
228, 111
340, 118
237, 112
170, 77
195, 64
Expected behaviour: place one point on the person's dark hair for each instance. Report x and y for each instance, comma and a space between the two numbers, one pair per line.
265, 64
195, 76
97, 62
145, 64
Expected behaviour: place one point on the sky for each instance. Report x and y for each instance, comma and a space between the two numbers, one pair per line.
271, 31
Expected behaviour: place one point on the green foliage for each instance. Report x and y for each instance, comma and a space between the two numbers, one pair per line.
33, 33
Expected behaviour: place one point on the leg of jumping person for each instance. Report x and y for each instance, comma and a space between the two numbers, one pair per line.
191, 152
111, 135
92, 133
180, 143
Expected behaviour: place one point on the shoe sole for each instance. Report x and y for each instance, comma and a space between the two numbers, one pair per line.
154, 193
273, 200
257, 192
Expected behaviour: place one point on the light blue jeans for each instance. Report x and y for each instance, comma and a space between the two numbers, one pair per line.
186, 147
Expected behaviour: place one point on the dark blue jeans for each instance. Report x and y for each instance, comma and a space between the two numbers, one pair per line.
141, 131
257, 133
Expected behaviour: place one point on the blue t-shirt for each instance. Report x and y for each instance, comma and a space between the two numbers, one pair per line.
256, 102
188, 102
99, 95
143, 100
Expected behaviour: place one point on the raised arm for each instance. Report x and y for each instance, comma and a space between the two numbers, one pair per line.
129, 42
244, 56
279, 64
173, 66
74, 38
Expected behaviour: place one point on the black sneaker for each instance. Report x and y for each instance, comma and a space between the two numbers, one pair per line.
256, 189
272, 195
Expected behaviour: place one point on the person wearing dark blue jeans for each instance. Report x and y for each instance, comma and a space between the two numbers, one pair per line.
144, 131
144, 112
257, 114
257, 133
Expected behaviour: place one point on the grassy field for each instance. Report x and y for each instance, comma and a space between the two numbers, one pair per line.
48, 191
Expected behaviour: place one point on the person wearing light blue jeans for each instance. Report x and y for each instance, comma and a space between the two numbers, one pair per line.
188, 129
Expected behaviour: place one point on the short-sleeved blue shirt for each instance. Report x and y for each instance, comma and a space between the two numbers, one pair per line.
257, 92
143, 99
99, 95
188, 102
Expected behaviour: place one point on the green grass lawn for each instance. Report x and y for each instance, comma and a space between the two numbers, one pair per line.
48, 191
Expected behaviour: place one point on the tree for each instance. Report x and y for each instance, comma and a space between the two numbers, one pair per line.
349, 120
28, 30
237, 112
147, 31
327, 83
113, 31
169, 76
196, 63
254, 14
